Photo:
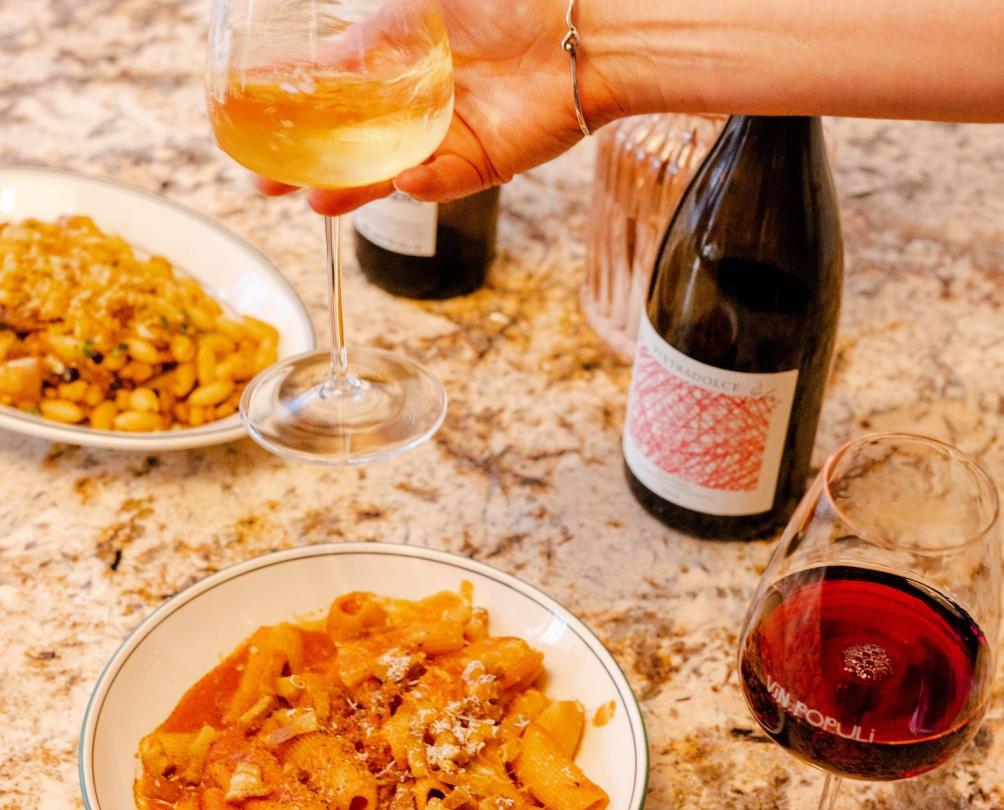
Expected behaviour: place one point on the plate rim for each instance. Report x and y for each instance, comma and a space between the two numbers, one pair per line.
225, 430
636, 719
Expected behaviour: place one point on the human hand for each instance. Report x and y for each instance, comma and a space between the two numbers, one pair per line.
513, 107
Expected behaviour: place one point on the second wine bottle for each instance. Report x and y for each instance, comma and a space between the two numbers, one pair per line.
737, 334
427, 250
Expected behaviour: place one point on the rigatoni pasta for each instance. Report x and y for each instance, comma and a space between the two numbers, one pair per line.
553, 778
387, 704
92, 334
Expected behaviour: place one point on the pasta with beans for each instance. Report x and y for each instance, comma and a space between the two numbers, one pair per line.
388, 704
92, 334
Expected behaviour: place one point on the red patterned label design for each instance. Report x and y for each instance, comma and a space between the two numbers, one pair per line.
701, 437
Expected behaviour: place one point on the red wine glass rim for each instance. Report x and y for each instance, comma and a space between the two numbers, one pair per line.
914, 438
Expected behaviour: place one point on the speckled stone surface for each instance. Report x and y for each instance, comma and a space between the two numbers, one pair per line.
526, 472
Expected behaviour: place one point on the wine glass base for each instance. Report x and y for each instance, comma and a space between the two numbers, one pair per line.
393, 405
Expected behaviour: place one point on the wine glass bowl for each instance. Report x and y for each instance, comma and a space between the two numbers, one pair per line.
868, 648
913, 506
333, 94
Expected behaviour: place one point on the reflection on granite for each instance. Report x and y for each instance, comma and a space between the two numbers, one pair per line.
525, 473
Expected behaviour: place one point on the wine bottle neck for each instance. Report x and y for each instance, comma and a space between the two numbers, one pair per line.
791, 128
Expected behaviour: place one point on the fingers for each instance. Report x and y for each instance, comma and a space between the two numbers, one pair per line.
335, 202
459, 167
446, 177
272, 188
332, 202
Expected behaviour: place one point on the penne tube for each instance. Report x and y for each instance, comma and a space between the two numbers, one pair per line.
511, 660
522, 711
198, 750
354, 614
476, 628
396, 732
319, 694
564, 721
332, 769
354, 664
554, 780
269, 650
175, 746
428, 792
438, 639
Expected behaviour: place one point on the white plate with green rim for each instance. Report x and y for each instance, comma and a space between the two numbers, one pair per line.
190, 633
224, 264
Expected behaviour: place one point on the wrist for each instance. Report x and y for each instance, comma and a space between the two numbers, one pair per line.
617, 77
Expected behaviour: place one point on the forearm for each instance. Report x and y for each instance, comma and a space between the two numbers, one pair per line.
873, 58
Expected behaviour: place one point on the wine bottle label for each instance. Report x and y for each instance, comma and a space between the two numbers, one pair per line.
400, 224
701, 437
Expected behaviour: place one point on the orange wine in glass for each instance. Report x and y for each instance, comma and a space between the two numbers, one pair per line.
333, 94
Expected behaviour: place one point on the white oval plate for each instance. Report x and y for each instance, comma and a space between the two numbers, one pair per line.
227, 266
191, 632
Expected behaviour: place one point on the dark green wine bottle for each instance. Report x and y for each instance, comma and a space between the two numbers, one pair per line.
737, 334
427, 250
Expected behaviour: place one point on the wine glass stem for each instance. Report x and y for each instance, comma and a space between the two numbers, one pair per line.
828, 798
340, 379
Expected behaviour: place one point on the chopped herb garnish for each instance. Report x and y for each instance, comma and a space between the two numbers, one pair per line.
88, 348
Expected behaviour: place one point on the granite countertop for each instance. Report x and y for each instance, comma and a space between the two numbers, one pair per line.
526, 472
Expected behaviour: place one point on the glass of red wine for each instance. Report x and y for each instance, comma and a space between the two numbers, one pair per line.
869, 646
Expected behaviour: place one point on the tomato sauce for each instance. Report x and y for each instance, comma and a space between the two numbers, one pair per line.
206, 702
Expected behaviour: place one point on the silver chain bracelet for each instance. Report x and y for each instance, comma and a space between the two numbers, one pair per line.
571, 44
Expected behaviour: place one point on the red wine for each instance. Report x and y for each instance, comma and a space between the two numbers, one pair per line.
735, 342
865, 673
425, 250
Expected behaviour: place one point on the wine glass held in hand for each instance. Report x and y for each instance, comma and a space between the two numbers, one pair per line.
868, 649
333, 94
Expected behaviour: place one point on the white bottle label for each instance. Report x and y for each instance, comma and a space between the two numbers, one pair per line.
701, 437
400, 224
